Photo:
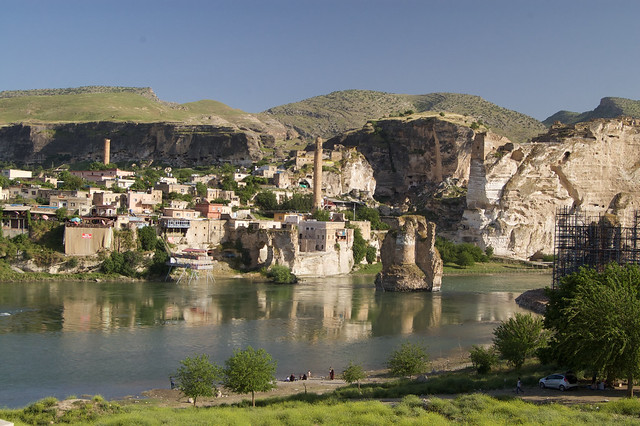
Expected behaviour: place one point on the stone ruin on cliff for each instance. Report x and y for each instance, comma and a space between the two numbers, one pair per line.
410, 261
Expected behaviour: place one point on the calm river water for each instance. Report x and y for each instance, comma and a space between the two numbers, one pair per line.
116, 339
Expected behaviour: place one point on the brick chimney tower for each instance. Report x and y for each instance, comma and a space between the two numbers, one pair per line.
317, 176
107, 151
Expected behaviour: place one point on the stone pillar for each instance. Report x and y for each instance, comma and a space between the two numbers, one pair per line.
317, 176
107, 151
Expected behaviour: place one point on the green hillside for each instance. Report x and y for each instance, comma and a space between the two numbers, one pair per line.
608, 108
337, 112
98, 103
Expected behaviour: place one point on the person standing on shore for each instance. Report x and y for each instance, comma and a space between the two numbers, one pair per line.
519, 386
331, 373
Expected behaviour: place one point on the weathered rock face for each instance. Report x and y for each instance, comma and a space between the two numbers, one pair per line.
269, 247
515, 190
355, 176
410, 155
410, 261
175, 144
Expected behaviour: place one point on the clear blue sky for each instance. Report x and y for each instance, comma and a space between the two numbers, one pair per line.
536, 57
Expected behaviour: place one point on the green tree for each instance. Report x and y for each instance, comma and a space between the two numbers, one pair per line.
353, 374
197, 377
322, 215
371, 254
483, 358
147, 238
465, 259
519, 338
201, 190
372, 215
359, 246
71, 182
281, 274
266, 200
250, 371
596, 321
408, 359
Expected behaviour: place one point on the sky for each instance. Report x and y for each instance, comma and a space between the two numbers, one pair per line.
535, 57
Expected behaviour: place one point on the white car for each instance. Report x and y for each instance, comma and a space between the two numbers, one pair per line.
559, 381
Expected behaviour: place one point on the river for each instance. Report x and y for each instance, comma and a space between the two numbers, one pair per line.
116, 339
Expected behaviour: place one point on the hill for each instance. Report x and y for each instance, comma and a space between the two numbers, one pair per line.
337, 112
116, 104
609, 108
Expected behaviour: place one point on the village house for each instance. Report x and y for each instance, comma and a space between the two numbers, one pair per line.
180, 213
100, 176
220, 194
140, 202
322, 236
16, 173
81, 204
267, 171
212, 211
178, 188
109, 198
206, 179
282, 179
303, 158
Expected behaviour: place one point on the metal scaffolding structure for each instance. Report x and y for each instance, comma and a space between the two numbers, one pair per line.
593, 241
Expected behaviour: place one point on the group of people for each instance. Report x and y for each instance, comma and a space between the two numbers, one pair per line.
304, 376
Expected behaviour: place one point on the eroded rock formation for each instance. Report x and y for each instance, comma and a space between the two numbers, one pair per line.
354, 176
514, 190
411, 156
410, 261
176, 144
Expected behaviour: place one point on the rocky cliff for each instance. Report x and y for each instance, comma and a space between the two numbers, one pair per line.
514, 190
352, 175
174, 144
409, 156
410, 261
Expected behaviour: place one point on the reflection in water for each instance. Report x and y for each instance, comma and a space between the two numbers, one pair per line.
121, 338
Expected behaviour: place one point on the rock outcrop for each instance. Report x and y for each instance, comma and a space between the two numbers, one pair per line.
412, 156
410, 261
353, 175
514, 190
178, 145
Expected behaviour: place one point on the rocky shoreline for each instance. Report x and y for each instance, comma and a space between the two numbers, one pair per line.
535, 300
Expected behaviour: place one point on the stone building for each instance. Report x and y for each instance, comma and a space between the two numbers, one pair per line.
322, 236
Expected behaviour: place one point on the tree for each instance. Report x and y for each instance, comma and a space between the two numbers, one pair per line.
359, 246
281, 274
596, 320
71, 182
322, 215
353, 374
371, 254
147, 238
197, 377
519, 337
266, 200
201, 190
250, 371
408, 359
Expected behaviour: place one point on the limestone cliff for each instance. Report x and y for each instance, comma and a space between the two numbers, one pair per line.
514, 190
409, 156
352, 175
179, 145
410, 261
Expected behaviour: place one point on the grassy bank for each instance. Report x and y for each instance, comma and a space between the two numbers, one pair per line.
310, 409
493, 267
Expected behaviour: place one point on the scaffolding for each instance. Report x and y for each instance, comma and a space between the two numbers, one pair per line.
592, 241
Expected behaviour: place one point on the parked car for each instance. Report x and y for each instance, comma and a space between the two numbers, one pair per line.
559, 381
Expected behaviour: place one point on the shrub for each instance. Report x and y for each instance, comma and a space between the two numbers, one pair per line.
147, 238
483, 358
197, 377
370, 254
409, 359
353, 374
281, 274
518, 338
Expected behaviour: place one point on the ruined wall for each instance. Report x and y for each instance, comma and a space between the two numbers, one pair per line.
410, 261
514, 190
269, 247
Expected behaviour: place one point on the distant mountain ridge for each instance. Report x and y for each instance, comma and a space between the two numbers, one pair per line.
610, 107
337, 112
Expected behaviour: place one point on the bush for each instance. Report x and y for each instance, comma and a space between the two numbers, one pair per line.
371, 254
281, 274
409, 359
197, 377
519, 337
483, 358
353, 374
147, 238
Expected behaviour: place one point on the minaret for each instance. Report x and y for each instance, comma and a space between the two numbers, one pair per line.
317, 176
107, 151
